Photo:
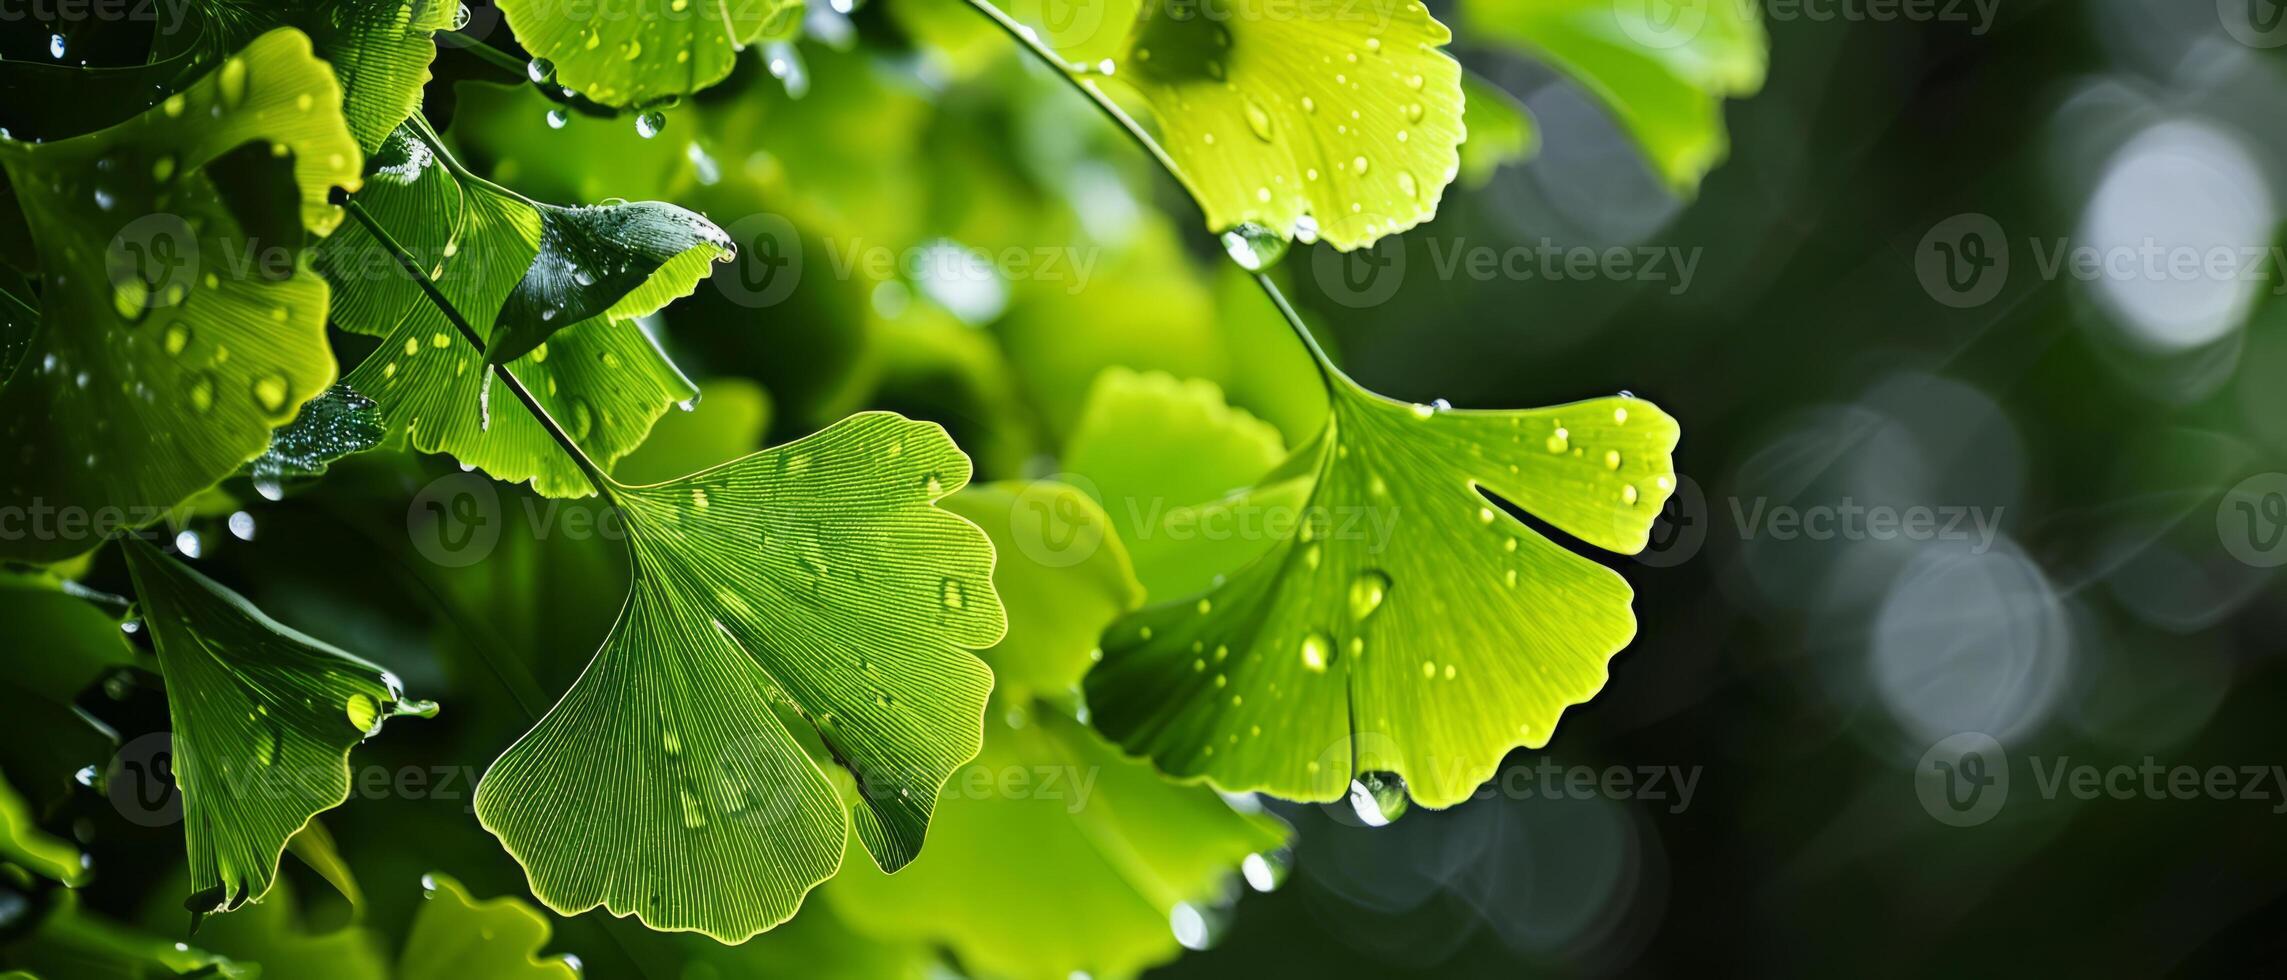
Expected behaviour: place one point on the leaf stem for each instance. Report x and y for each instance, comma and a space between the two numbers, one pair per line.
1029, 39
491, 55
594, 473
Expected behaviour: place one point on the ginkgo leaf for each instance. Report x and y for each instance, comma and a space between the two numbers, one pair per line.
263, 719
1500, 131
337, 423
1663, 67
1132, 430
455, 935
617, 261
1304, 120
805, 597
380, 49
170, 343
603, 378
642, 53
1408, 630
1110, 849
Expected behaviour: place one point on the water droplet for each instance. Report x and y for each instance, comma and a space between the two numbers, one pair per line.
540, 70
1611, 459
231, 82
202, 391
1484, 515
1317, 652
954, 595
1367, 592
1359, 164
1258, 120
557, 117
56, 46
1254, 247
671, 742
1378, 797
364, 713
1628, 494
270, 392
1264, 872
649, 124
1406, 182
1560, 440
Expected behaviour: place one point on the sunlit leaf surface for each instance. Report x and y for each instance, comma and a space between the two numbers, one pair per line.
178, 326
1298, 117
1402, 625
638, 53
1663, 67
1110, 849
263, 720
805, 599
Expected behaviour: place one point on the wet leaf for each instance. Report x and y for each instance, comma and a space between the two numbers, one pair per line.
263, 720
1299, 117
337, 423
807, 598
178, 328
603, 378
639, 54
1401, 625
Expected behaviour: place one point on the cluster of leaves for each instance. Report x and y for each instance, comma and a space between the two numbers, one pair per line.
819, 637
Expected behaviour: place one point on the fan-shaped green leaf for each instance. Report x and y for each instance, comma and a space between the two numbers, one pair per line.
1408, 626
171, 343
1500, 131
263, 720
455, 935
618, 261
603, 378
1663, 67
1301, 117
380, 49
1110, 848
634, 54
808, 597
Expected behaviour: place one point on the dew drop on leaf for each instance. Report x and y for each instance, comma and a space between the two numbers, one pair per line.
364, 714
1378, 797
650, 123
1367, 592
1254, 247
